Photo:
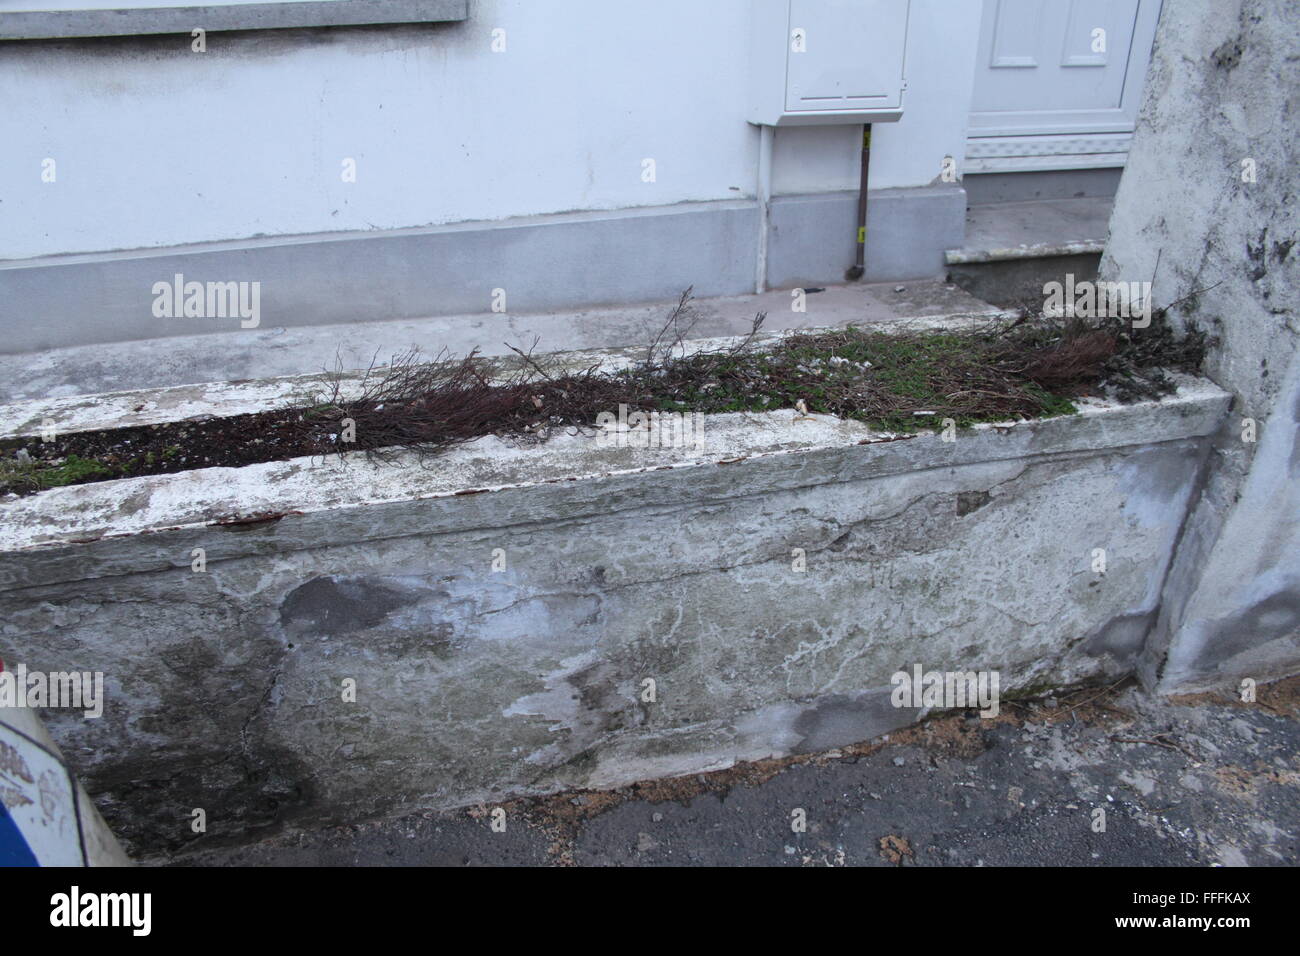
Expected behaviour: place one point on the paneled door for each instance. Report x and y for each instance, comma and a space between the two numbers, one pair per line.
1058, 83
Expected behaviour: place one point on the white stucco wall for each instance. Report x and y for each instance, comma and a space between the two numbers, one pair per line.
157, 145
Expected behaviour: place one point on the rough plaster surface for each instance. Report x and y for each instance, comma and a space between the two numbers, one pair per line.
225, 688
1222, 89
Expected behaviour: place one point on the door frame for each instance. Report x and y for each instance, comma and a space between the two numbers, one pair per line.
1090, 139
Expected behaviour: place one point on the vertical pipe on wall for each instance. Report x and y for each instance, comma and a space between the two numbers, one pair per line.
766, 137
856, 271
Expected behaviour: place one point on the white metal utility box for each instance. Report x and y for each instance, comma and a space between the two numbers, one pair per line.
816, 62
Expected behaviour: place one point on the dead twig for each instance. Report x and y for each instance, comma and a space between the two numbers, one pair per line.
681, 311
529, 360
1159, 740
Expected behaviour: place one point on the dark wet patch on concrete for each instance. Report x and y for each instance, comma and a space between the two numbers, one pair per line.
838, 720
1122, 638
332, 606
1274, 618
968, 501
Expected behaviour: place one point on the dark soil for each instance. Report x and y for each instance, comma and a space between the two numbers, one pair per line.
898, 382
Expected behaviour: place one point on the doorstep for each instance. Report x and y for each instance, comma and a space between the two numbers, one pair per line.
1033, 229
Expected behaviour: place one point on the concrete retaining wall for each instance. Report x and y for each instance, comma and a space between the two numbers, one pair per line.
1207, 204
226, 687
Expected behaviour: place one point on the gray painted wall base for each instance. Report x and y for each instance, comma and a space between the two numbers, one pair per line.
813, 237
543, 263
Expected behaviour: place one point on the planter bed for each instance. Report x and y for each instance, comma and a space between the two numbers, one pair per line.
500, 606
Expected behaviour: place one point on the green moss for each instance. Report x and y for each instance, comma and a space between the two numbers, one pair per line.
880, 379
74, 470
35, 475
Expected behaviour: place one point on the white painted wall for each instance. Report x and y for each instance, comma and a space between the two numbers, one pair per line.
156, 145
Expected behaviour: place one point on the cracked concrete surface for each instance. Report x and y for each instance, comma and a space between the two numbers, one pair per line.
224, 688
1195, 781
1232, 603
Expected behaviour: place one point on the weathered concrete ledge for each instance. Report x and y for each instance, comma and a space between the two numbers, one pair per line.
151, 523
1041, 250
137, 407
500, 608
271, 352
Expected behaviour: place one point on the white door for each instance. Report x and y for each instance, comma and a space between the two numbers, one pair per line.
1058, 83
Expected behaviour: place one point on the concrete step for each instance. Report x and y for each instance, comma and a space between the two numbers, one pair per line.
1036, 229
1013, 249
275, 352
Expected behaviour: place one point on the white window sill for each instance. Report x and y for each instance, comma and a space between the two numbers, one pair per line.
37, 20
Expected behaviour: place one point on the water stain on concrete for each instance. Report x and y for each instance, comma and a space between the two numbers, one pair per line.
333, 606
838, 720
968, 501
1274, 618
1122, 638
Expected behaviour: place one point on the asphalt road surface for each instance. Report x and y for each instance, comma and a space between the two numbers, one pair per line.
1197, 781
